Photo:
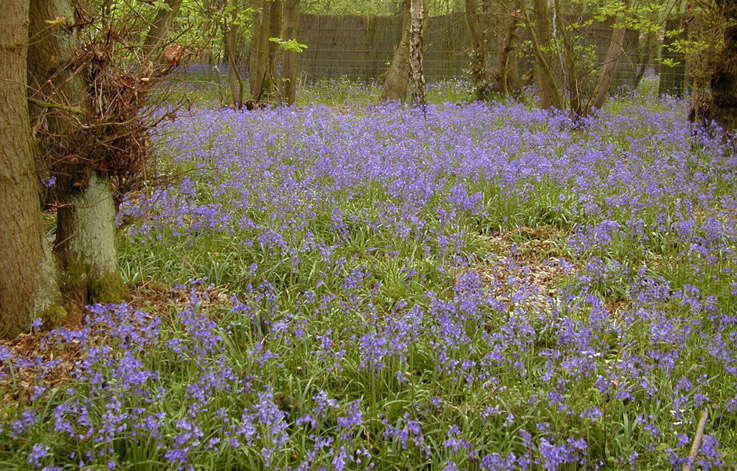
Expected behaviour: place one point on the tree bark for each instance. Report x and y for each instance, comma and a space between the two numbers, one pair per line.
84, 244
259, 55
85, 239
644, 57
157, 33
289, 67
272, 77
263, 52
542, 45
481, 70
235, 81
611, 61
397, 78
505, 73
723, 108
417, 20
27, 285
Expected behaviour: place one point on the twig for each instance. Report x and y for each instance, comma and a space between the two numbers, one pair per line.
45, 104
696, 440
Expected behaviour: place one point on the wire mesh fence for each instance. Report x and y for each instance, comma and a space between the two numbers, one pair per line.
361, 48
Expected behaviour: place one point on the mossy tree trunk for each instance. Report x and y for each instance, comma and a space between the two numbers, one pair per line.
289, 66
27, 282
397, 78
86, 242
85, 238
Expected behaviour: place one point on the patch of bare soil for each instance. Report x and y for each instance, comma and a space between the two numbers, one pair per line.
529, 258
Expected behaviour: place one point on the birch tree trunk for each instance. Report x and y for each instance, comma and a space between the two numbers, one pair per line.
417, 20
27, 272
85, 237
397, 78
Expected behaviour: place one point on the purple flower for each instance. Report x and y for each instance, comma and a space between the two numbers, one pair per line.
353, 417
39, 451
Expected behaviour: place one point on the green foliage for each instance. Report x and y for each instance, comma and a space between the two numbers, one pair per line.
289, 44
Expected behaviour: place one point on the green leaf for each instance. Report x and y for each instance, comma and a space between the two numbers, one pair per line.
289, 44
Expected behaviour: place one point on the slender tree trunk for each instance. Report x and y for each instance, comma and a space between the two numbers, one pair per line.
542, 45
291, 25
27, 281
644, 57
397, 78
85, 238
230, 35
417, 20
273, 74
611, 61
506, 69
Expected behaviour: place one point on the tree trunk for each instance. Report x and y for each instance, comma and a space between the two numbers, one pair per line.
397, 78
614, 52
723, 108
505, 73
542, 45
27, 284
417, 20
481, 72
85, 238
263, 53
272, 77
644, 57
230, 35
289, 67
259, 55
156, 36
